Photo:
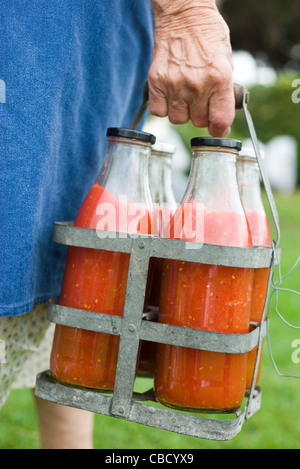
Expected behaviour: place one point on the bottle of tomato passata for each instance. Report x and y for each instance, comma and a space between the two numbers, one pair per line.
160, 182
208, 297
164, 206
249, 186
95, 280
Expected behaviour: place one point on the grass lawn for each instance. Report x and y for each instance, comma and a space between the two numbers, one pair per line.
276, 425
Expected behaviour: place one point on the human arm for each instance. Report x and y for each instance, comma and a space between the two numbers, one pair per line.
191, 73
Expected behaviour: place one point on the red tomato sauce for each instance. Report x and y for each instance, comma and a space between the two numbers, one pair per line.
260, 237
95, 280
161, 220
207, 297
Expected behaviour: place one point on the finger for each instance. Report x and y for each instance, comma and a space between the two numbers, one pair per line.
198, 94
178, 111
221, 112
158, 103
184, 99
199, 111
169, 96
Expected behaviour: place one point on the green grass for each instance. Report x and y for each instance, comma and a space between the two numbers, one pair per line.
275, 425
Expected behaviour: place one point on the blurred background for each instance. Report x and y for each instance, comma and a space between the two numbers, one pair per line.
266, 44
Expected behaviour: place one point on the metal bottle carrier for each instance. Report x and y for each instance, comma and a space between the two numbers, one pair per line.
142, 408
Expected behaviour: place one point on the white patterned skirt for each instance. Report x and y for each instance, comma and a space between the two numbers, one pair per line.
25, 347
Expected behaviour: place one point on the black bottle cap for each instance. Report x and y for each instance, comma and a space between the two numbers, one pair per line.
130, 133
216, 142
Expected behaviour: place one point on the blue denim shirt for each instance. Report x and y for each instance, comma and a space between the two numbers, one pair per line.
68, 70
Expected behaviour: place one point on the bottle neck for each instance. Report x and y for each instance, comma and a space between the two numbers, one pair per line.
248, 177
160, 180
124, 172
213, 180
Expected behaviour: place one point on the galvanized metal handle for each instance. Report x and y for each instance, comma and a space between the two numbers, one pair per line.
240, 93
265, 179
276, 249
139, 115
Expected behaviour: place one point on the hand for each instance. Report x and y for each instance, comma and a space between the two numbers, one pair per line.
191, 73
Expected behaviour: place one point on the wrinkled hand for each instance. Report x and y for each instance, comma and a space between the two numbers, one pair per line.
191, 73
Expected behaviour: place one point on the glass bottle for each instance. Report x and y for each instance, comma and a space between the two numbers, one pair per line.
95, 280
249, 186
207, 297
164, 206
160, 182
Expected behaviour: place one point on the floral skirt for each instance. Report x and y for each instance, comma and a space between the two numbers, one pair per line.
25, 347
